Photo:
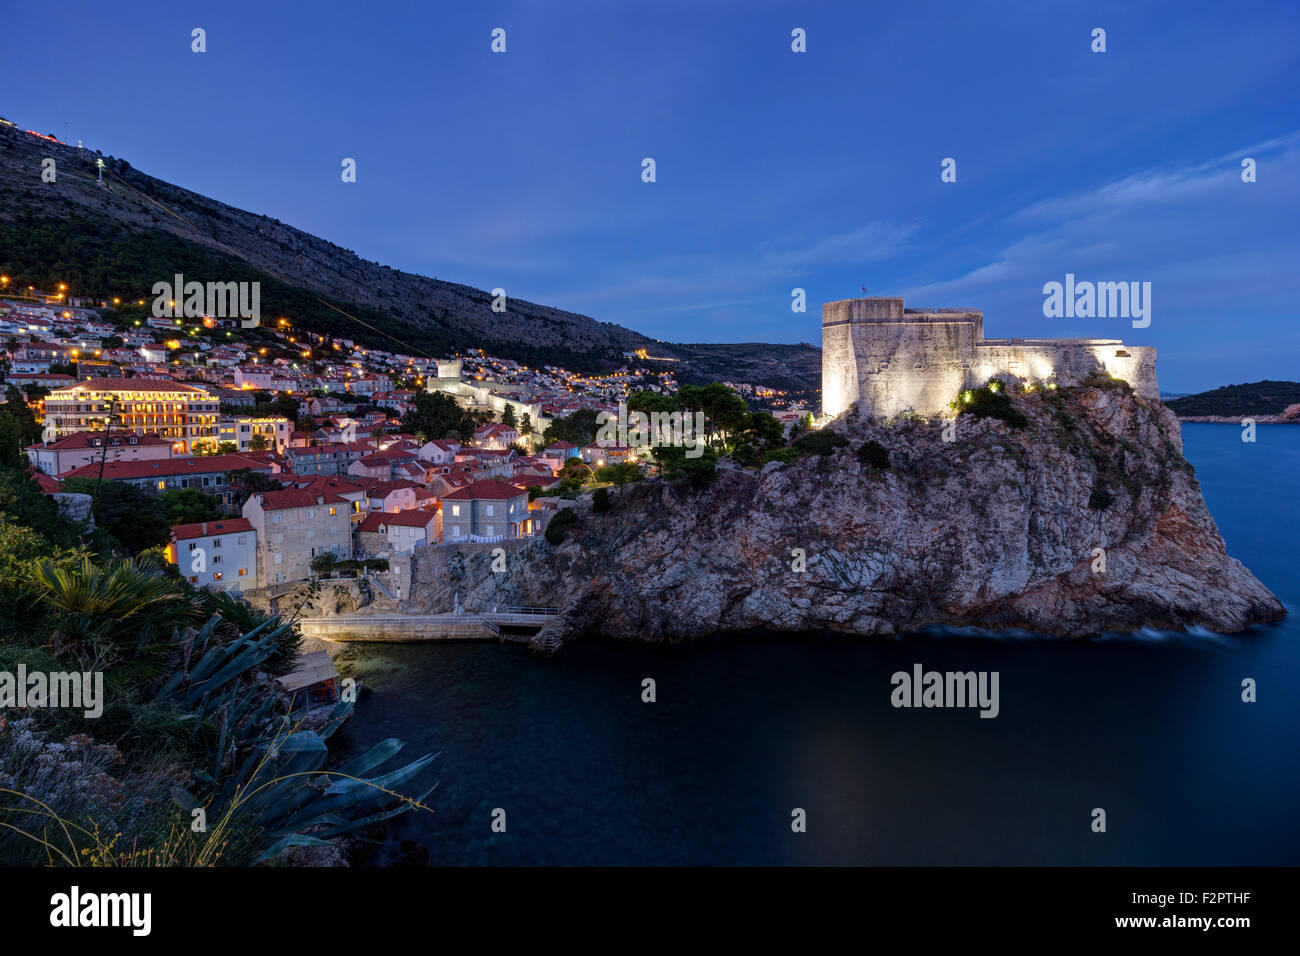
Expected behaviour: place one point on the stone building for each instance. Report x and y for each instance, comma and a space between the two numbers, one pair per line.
892, 360
296, 525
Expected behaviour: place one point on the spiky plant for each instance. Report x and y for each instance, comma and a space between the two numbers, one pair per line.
110, 612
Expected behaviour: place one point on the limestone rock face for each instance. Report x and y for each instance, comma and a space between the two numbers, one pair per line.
998, 529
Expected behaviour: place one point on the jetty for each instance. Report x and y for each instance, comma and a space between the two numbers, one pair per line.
516, 624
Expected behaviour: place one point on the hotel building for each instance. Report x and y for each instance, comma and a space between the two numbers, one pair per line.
182, 414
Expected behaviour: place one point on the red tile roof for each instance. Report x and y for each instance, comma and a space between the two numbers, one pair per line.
292, 498
489, 489
168, 467
203, 529
82, 440
333, 484
135, 385
410, 518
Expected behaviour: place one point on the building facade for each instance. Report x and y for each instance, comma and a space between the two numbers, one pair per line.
487, 510
180, 413
209, 474
275, 431
296, 525
216, 554
85, 448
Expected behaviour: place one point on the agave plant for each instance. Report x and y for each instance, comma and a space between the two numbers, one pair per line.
280, 786
239, 617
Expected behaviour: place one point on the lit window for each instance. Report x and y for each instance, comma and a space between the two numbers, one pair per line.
216, 575
243, 571
333, 511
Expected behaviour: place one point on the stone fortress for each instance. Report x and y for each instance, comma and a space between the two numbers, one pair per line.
892, 360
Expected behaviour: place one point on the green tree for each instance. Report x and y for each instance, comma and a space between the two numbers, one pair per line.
673, 463
526, 425
822, 442
244, 482
11, 444
508, 416
874, 454
578, 428
763, 430
124, 511
560, 525
188, 505
16, 408
436, 416
257, 442
651, 402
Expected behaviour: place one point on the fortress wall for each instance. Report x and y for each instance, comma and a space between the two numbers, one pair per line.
1067, 362
893, 360
914, 364
839, 362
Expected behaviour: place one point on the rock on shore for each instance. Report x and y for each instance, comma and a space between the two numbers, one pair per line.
997, 529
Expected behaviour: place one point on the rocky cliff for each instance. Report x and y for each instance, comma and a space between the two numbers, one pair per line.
999, 528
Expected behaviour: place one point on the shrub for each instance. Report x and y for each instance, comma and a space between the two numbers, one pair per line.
1106, 382
874, 454
821, 442
600, 500
1100, 499
558, 528
745, 455
991, 401
783, 455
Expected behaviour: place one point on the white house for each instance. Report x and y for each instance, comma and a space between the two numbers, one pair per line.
221, 555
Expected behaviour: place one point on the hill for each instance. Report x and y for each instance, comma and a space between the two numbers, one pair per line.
121, 237
1239, 401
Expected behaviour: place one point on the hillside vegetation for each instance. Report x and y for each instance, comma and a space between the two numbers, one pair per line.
135, 230
1255, 398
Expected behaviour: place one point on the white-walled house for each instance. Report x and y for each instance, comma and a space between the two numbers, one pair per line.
221, 555
403, 531
440, 452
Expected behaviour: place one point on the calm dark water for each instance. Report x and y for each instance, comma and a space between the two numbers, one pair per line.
1149, 727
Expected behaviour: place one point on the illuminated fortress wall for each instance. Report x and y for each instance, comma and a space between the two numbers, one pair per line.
891, 360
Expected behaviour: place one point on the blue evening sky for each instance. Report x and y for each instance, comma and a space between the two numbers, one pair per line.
775, 170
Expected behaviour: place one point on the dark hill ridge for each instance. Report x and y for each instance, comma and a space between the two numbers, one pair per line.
84, 223
1237, 401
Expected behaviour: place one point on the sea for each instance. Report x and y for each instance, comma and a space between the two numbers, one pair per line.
771, 750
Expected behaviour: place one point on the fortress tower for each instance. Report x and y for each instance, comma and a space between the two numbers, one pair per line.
890, 359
